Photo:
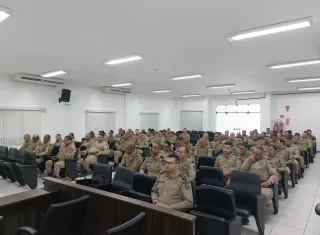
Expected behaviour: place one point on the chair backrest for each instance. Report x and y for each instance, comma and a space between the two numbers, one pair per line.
55, 150
12, 154
132, 227
194, 132
216, 201
30, 158
146, 152
245, 184
3, 152
210, 176
194, 192
206, 161
21, 155
102, 174
112, 144
65, 218
201, 133
123, 178
1, 226
77, 144
143, 183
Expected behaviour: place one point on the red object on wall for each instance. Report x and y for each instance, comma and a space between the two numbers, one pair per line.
275, 128
281, 128
281, 116
287, 107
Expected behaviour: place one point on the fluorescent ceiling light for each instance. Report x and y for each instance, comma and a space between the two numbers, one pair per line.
53, 73
304, 79
308, 88
190, 95
222, 86
124, 59
123, 84
241, 92
4, 13
186, 77
294, 64
271, 29
161, 91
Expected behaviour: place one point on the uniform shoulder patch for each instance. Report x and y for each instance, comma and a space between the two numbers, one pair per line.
162, 172
272, 164
183, 176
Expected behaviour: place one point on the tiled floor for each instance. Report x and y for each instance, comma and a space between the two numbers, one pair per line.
296, 214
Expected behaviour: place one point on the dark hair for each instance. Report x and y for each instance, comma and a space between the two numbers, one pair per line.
289, 138
273, 146
308, 130
58, 135
260, 138
137, 129
71, 134
48, 136
240, 137
244, 145
68, 137
228, 143
260, 148
290, 132
111, 131
91, 132
282, 141
102, 132
298, 134
176, 158
168, 143
179, 138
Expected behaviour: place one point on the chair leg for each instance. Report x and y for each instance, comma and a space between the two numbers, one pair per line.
17, 174
259, 222
71, 169
284, 184
8, 170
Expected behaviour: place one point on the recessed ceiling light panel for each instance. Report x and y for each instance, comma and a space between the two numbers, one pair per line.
182, 77
271, 29
126, 59
308, 88
161, 91
189, 95
241, 92
4, 13
304, 79
53, 74
222, 86
295, 64
120, 85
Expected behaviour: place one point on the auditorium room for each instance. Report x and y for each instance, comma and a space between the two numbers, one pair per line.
149, 117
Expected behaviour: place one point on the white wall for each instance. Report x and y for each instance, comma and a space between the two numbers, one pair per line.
303, 113
60, 118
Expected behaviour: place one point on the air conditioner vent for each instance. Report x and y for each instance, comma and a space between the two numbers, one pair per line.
31, 78
108, 89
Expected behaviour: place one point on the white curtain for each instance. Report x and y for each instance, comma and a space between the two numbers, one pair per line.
236, 118
97, 121
14, 124
149, 120
192, 120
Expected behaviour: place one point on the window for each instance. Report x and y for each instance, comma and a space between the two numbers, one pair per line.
192, 120
14, 124
98, 120
237, 118
149, 120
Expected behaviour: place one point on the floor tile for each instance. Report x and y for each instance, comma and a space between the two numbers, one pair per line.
295, 214
292, 222
280, 229
310, 233
313, 227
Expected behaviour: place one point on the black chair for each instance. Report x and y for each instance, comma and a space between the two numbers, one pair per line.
194, 132
142, 186
77, 144
104, 159
54, 152
210, 136
292, 168
178, 133
284, 183
101, 177
194, 138
12, 155
146, 152
275, 198
194, 192
304, 154
112, 144
206, 161
123, 180
66, 218
216, 212
3, 157
132, 227
201, 133
249, 201
210, 176
25, 169
1, 226
189, 132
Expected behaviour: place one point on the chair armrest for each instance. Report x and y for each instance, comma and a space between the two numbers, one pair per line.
29, 230
124, 192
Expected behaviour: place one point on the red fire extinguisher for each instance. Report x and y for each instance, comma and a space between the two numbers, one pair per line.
275, 128
281, 128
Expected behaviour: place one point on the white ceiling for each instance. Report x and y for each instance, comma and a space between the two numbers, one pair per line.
175, 37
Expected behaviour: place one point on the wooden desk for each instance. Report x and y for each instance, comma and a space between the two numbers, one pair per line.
27, 208
107, 210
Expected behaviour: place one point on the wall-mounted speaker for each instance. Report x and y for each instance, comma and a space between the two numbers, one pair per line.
65, 95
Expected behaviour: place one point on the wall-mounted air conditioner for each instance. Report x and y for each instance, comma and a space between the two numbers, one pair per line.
30, 78
115, 90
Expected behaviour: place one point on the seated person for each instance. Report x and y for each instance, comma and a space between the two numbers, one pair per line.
293, 145
236, 149
27, 141
131, 159
142, 142
85, 146
172, 188
99, 147
287, 155
33, 147
121, 146
227, 161
243, 153
203, 149
277, 159
93, 136
262, 143
58, 140
266, 169
155, 163
166, 149
66, 152
45, 148
185, 165
72, 135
